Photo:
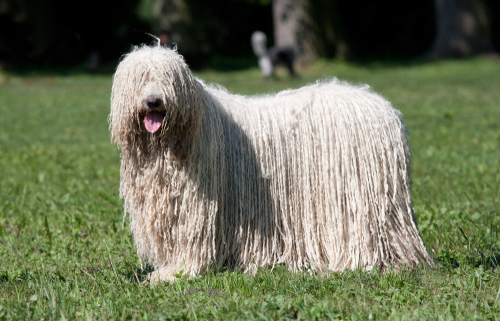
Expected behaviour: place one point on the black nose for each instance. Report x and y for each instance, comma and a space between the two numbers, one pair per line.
154, 102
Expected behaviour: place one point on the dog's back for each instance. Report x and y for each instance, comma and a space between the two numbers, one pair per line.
333, 172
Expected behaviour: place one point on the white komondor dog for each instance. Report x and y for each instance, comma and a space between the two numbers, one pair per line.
317, 177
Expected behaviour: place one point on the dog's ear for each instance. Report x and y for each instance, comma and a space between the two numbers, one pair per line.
123, 118
183, 116
181, 91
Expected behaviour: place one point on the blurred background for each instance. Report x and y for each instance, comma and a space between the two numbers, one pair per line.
62, 240
94, 34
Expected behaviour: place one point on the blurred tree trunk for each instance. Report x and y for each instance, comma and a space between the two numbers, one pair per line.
174, 17
329, 32
293, 25
462, 29
186, 30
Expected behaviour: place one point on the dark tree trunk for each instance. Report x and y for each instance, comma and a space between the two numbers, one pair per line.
174, 17
189, 32
293, 25
462, 29
329, 31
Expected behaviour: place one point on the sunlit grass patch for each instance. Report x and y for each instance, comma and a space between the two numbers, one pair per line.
64, 254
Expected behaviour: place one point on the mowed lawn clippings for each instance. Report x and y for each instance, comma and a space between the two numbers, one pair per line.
64, 254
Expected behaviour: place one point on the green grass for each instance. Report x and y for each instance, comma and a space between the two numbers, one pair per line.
64, 255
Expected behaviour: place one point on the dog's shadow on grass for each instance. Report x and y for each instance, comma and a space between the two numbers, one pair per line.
138, 275
487, 261
248, 213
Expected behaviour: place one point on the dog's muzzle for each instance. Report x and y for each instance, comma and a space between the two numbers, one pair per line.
154, 113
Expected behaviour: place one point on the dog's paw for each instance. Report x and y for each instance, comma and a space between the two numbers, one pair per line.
167, 274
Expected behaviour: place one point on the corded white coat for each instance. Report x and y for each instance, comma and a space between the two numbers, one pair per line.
317, 177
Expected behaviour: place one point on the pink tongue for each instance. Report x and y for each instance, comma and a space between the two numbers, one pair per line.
152, 121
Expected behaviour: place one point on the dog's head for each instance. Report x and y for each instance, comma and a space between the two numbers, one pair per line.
154, 96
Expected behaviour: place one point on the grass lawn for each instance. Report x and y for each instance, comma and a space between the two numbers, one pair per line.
64, 254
